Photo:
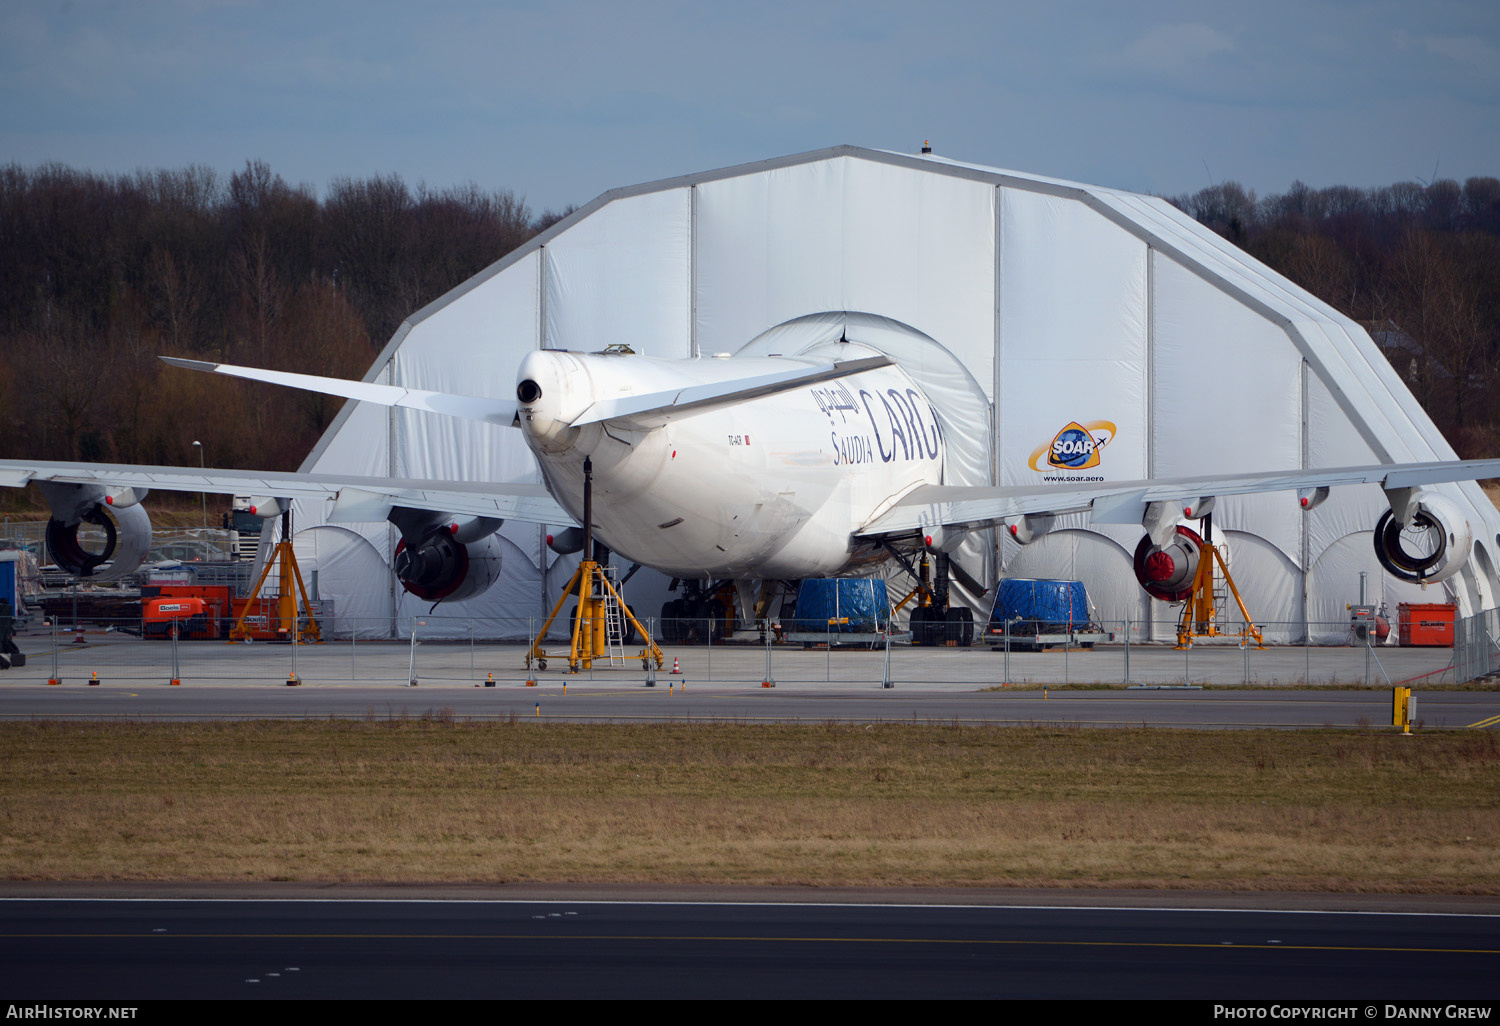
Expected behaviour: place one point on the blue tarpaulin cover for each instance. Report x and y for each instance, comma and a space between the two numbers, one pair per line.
1024, 598
863, 600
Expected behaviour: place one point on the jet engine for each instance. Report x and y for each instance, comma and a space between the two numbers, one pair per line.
443, 560
1167, 571
1432, 545
116, 512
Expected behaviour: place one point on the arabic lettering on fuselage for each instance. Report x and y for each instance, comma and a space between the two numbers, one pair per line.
836, 397
894, 425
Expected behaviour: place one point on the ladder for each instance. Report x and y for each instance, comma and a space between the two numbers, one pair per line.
614, 621
1221, 594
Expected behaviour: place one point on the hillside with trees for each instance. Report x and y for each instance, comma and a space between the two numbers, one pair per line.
99, 274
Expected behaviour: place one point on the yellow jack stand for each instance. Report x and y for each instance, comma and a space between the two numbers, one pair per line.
922, 592
1199, 619
589, 641
590, 628
299, 629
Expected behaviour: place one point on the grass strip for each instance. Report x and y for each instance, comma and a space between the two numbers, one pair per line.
434, 800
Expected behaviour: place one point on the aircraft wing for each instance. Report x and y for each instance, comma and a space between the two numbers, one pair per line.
647, 409
968, 509
352, 498
469, 407
655, 408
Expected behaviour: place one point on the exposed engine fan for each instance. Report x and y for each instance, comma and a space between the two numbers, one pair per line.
442, 560
1167, 571
1430, 548
125, 528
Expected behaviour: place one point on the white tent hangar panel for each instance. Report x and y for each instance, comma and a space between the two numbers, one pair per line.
1026, 303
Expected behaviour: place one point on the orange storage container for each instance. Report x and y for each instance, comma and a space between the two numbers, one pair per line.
1429, 623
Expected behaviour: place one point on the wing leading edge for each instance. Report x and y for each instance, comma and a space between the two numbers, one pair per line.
351, 498
969, 508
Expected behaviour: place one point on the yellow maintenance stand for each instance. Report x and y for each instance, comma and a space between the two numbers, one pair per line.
299, 630
601, 613
1201, 611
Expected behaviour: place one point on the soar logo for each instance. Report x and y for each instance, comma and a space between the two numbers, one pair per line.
1076, 447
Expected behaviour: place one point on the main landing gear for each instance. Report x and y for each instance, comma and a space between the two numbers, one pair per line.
933, 621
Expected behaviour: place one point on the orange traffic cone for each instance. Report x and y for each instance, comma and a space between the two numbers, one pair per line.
676, 668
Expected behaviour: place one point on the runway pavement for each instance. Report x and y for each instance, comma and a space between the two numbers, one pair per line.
145, 950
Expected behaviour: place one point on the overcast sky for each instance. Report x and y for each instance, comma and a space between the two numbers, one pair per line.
561, 100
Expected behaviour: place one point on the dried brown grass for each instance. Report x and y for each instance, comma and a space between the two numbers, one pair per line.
823, 805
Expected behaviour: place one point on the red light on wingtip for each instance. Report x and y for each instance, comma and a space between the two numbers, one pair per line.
252, 511
928, 540
1304, 503
549, 539
1187, 511
109, 500
452, 528
1014, 530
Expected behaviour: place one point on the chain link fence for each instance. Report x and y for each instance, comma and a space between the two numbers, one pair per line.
454, 650
1476, 645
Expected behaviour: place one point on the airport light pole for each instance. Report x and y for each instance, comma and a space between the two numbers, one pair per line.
202, 496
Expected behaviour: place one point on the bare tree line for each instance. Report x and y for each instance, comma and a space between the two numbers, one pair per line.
101, 273
1418, 265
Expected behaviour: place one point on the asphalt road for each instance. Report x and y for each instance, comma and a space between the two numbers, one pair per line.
631, 702
146, 950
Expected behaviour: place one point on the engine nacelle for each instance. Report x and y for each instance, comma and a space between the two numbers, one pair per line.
126, 529
1029, 528
265, 507
941, 539
441, 568
567, 541
1431, 548
1167, 571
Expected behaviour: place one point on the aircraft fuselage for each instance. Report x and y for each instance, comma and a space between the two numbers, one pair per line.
765, 487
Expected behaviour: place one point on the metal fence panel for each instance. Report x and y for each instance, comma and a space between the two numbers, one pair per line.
451, 650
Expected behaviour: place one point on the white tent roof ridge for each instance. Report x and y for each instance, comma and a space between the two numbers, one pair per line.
996, 176
1151, 219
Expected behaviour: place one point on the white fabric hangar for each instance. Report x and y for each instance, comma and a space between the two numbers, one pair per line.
1024, 305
